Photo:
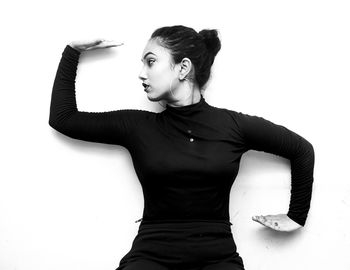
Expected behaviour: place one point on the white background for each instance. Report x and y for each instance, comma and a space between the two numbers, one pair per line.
69, 204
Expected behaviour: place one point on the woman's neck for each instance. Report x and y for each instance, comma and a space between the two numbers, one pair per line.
194, 96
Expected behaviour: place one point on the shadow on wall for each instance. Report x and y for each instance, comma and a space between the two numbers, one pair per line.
277, 237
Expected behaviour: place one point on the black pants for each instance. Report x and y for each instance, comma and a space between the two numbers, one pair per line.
200, 245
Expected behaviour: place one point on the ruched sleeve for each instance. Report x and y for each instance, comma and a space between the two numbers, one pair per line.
111, 127
263, 135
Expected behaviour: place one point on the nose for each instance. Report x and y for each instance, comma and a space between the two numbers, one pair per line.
142, 75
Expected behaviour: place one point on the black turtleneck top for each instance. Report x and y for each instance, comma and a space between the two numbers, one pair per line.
186, 158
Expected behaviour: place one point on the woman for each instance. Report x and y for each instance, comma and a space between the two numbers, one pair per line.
187, 156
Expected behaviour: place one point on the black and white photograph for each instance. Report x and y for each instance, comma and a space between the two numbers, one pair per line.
175, 135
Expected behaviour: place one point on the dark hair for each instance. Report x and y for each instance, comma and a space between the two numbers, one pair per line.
201, 48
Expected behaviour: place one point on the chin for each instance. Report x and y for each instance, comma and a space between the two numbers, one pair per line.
151, 98
154, 97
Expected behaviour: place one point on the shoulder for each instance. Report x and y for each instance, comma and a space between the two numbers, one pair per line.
240, 122
137, 113
239, 117
227, 115
133, 117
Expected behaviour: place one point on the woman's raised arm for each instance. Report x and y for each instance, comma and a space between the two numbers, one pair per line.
113, 127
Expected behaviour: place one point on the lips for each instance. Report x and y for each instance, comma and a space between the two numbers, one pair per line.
146, 86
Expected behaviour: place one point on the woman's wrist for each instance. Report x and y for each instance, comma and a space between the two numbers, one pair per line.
74, 47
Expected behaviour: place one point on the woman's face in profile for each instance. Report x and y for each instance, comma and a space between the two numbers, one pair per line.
157, 71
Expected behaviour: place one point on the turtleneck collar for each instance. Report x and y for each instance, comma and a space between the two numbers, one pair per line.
187, 109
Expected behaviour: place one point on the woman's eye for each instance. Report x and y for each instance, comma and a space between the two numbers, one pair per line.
150, 61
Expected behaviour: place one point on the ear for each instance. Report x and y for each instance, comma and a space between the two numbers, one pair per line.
185, 68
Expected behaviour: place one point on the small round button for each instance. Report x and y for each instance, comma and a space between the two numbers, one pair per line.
191, 140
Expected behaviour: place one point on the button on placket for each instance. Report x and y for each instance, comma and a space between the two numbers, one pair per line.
190, 131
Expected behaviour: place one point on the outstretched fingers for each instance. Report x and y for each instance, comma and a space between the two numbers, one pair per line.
270, 221
280, 222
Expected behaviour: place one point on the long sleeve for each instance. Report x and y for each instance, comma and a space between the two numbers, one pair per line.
112, 127
263, 135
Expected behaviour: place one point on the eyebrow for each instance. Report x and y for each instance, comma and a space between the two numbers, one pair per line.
146, 55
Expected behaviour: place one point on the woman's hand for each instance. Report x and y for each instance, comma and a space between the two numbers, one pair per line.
279, 222
93, 44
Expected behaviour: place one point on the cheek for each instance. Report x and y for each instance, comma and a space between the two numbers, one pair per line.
161, 76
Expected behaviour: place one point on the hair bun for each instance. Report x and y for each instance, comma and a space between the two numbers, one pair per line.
211, 40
